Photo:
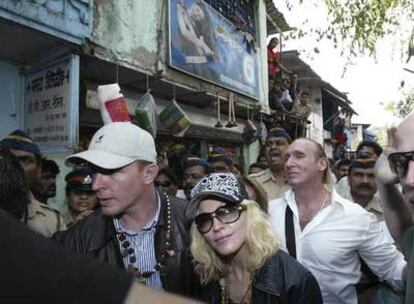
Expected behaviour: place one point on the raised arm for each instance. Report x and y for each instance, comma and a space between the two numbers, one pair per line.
187, 31
396, 210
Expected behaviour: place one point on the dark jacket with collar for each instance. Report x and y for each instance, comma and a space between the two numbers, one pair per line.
282, 280
95, 236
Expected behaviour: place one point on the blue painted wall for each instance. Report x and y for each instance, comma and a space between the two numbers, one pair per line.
11, 99
67, 19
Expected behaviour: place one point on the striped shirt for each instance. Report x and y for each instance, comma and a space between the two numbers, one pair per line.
142, 242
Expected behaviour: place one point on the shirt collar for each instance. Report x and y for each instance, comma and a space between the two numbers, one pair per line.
151, 224
272, 177
373, 204
289, 196
336, 198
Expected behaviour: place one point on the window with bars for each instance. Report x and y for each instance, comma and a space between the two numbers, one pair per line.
238, 12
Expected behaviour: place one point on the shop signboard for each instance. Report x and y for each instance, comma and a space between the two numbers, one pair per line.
206, 45
52, 103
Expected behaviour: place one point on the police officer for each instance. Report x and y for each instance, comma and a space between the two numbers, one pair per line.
273, 179
40, 217
82, 199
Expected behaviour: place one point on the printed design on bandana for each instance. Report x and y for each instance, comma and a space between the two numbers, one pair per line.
223, 183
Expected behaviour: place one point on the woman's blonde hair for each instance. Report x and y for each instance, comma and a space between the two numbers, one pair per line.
261, 244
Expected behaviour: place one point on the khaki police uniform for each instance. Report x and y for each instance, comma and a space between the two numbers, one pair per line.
373, 206
43, 218
268, 182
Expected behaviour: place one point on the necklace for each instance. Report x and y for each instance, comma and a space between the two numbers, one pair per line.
323, 203
225, 294
161, 265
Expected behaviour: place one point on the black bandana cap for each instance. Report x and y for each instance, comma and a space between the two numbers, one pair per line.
224, 186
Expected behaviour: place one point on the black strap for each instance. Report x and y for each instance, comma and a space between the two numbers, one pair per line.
290, 232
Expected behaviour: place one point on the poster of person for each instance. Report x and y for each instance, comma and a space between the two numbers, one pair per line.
205, 44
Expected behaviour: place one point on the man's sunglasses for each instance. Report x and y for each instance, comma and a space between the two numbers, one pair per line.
163, 184
399, 162
226, 214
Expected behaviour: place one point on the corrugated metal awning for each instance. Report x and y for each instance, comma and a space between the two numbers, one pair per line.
275, 21
340, 100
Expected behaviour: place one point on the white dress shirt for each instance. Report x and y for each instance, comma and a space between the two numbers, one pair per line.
374, 207
330, 246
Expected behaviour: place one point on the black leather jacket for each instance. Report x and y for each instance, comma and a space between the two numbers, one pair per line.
282, 280
95, 236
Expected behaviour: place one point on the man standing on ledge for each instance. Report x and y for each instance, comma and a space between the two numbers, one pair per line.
137, 227
327, 233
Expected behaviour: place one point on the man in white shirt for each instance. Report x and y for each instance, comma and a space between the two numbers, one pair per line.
363, 191
328, 233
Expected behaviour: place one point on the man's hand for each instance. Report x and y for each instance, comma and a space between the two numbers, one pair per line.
396, 214
383, 171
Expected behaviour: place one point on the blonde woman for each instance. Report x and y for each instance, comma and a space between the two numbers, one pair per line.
235, 252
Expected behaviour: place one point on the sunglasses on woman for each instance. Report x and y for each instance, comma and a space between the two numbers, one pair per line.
399, 162
226, 214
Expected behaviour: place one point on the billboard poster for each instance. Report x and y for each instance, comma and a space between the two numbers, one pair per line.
206, 45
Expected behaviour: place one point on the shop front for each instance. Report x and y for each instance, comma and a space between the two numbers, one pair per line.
39, 73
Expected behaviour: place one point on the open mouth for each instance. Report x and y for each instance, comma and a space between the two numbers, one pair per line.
274, 153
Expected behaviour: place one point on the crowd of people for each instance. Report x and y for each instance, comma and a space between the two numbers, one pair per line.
297, 229
285, 96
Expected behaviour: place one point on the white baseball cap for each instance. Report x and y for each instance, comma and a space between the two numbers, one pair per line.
116, 145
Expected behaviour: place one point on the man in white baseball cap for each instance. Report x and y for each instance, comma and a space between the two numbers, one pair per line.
137, 227
116, 145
